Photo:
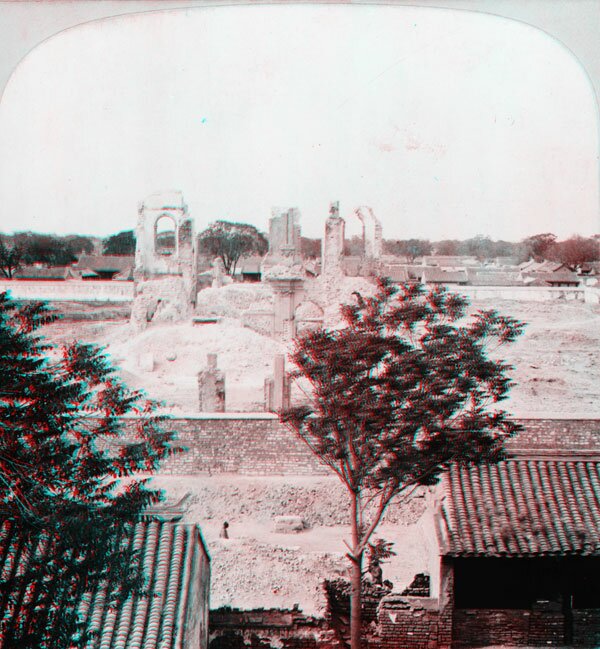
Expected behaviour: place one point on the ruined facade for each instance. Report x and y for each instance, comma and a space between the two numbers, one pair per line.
372, 232
284, 238
165, 277
332, 249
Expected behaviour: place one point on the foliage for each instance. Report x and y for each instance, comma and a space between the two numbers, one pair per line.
379, 551
538, 245
66, 473
79, 244
122, 243
405, 388
447, 247
575, 251
231, 241
46, 249
355, 246
10, 258
310, 248
409, 248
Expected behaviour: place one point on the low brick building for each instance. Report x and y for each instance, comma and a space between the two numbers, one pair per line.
520, 546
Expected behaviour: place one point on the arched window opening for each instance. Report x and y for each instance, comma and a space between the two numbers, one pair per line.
164, 236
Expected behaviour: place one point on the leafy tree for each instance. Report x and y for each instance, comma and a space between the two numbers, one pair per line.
447, 247
122, 243
10, 258
63, 461
79, 244
575, 250
46, 249
310, 248
538, 245
231, 241
355, 246
405, 388
409, 248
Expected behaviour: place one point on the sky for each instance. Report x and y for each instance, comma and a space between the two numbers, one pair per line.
448, 124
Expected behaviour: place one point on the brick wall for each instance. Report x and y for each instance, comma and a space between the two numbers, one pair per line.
409, 622
266, 628
586, 627
251, 445
258, 444
477, 627
481, 627
552, 436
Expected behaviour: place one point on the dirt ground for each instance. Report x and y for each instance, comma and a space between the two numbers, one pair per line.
556, 373
555, 359
258, 567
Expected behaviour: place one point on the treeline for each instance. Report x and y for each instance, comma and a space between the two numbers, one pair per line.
573, 251
28, 248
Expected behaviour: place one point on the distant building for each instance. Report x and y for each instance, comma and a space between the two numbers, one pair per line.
116, 267
53, 273
432, 275
250, 268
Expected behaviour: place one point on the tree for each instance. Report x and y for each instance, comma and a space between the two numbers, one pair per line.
79, 244
230, 241
310, 248
355, 246
409, 248
10, 258
446, 247
575, 250
538, 245
67, 458
405, 388
122, 243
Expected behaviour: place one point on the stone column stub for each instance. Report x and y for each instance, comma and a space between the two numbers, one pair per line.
211, 387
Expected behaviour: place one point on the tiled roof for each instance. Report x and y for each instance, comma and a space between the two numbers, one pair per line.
396, 273
494, 278
437, 276
556, 277
33, 272
106, 263
172, 557
522, 508
250, 264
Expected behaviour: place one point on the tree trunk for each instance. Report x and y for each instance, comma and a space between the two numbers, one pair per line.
356, 579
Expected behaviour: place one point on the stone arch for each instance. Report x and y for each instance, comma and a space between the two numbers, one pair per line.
165, 235
308, 315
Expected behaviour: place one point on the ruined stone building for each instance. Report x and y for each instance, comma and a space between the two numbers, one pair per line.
165, 277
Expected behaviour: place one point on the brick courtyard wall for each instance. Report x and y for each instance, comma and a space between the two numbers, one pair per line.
266, 628
245, 444
586, 627
542, 437
409, 622
71, 289
481, 627
258, 444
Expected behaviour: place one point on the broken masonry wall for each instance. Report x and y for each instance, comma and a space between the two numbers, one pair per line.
266, 628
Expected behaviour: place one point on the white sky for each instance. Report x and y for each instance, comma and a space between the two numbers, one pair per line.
448, 124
